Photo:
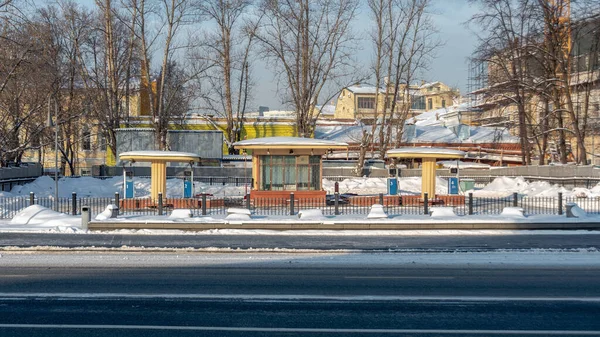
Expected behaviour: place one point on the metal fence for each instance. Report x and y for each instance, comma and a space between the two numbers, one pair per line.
331, 205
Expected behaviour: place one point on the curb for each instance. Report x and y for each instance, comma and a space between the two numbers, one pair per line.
328, 225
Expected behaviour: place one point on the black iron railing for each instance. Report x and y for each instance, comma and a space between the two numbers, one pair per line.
331, 205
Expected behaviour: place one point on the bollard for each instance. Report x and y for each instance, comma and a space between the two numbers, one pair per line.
31, 198
86, 216
426, 203
291, 203
515, 199
73, 203
470, 203
203, 203
336, 203
248, 205
160, 204
560, 203
117, 201
114, 211
381, 199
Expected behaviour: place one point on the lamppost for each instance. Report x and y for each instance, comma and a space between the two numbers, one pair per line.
54, 124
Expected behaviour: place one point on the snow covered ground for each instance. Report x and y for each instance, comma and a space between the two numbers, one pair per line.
106, 188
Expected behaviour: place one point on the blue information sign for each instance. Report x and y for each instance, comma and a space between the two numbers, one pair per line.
392, 186
187, 189
452, 185
128, 189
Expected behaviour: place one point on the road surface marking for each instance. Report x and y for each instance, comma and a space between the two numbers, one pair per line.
289, 297
303, 330
402, 277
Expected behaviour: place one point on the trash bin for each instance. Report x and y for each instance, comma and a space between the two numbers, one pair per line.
392, 186
467, 184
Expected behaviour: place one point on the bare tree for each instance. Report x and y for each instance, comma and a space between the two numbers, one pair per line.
25, 83
309, 43
568, 87
229, 54
404, 41
509, 32
158, 28
527, 45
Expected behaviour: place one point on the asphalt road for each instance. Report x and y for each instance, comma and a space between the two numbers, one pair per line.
316, 242
76, 294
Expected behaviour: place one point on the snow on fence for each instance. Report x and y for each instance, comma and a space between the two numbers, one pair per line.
341, 204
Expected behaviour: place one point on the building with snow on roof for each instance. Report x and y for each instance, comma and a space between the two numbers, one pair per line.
444, 128
366, 102
432, 96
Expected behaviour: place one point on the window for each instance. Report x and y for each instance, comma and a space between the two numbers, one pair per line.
443, 103
429, 103
418, 103
366, 103
85, 139
290, 173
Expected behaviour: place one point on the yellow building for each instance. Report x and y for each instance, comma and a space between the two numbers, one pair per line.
358, 102
432, 96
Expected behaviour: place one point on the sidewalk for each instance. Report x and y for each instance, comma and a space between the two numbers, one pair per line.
343, 223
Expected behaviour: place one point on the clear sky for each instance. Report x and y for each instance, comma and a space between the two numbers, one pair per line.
450, 66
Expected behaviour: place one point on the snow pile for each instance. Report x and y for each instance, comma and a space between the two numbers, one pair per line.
377, 212
181, 214
83, 186
107, 213
311, 214
505, 186
43, 187
442, 211
406, 185
86, 187
240, 214
513, 212
36, 215
577, 211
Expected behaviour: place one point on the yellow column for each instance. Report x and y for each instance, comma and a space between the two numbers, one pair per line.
255, 172
158, 172
428, 177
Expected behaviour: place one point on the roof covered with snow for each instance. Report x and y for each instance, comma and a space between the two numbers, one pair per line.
406, 152
421, 134
327, 109
366, 89
462, 164
291, 142
427, 85
170, 155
